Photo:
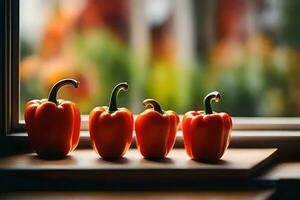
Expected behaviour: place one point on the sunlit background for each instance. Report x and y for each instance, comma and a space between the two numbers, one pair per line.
172, 51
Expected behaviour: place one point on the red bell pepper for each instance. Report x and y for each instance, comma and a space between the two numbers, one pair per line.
53, 126
206, 133
155, 131
111, 128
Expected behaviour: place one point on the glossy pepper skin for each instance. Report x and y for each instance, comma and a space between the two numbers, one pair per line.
206, 134
111, 128
155, 131
53, 126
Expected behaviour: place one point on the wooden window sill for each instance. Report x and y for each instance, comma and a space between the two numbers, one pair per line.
83, 168
137, 195
252, 173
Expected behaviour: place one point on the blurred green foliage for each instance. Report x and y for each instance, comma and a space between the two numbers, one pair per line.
258, 85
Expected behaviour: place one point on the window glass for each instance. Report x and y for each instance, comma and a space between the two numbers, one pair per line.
172, 51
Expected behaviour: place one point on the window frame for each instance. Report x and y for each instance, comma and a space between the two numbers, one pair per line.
11, 89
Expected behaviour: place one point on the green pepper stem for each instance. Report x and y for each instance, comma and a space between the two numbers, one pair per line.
58, 85
154, 104
113, 98
207, 101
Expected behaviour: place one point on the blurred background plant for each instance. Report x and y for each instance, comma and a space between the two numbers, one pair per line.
173, 51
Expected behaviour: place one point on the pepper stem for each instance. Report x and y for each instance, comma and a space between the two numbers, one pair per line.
154, 104
208, 99
113, 98
58, 85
